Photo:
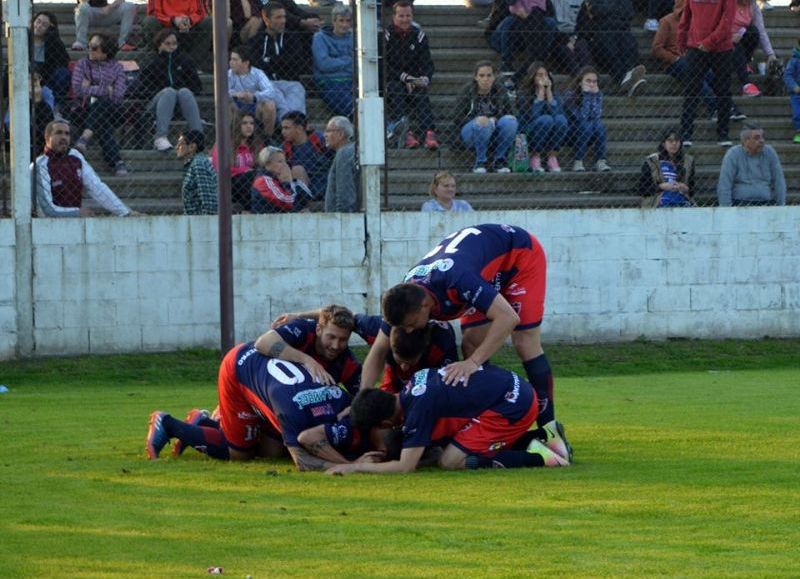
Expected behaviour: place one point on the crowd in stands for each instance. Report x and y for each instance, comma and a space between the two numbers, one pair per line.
277, 45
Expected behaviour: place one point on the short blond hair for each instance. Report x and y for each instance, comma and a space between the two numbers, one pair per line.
437, 179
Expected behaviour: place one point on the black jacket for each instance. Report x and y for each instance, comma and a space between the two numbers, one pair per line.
407, 54
169, 69
281, 57
55, 55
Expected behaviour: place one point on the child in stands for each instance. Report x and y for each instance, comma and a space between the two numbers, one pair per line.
584, 102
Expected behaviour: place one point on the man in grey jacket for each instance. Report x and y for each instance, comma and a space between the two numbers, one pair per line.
751, 173
341, 193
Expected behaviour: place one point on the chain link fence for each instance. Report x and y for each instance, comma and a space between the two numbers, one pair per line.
135, 83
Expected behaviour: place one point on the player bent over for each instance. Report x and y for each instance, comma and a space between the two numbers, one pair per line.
493, 278
486, 423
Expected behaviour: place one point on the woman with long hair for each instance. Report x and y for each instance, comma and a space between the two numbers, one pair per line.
49, 55
245, 147
667, 177
542, 117
584, 102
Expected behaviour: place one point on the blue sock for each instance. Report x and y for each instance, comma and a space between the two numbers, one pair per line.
541, 378
504, 459
208, 440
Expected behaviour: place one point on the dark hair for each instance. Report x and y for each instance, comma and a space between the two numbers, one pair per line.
409, 345
53, 22
528, 83
370, 407
194, 138
664, 156
271, 6
108, 46
575, 84
403, 4
162, 35
297, 117
253, 140
48, 130
337, 315
401, 300
243, 53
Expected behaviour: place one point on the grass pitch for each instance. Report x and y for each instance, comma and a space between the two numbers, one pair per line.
686, 465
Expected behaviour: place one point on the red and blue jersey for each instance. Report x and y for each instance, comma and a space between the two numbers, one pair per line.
435, 412
441, 351
302, 335
470, 267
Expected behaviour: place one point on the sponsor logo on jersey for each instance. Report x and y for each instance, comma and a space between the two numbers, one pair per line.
296, 331
245, 415
316, 396
245, 356
498, 281
324, 410
426, 269
338, 434
516, 290
513, 394
420, 383
508, 228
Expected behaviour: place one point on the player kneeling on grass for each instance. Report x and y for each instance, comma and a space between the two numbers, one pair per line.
484, 424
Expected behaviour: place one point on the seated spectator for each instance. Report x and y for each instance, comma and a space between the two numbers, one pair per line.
584, 105
791, 77
277, 188
49, 55
570, 51
245, 148
542, 118
246, 19
253, 92
341, 194
332, 49
279, 54
667, 176
751, 173
306, 152
191, 22
409, 70
62, 175
199, 185
98, 86
443, 193
42, 112
607, 24
483, 117
525, 30
748, 32
101, 13
170, 79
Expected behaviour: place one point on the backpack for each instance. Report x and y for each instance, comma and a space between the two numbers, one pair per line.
773, 81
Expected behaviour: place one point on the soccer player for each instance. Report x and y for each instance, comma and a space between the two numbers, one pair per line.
493, 278
258, 394
480, 423
320, 345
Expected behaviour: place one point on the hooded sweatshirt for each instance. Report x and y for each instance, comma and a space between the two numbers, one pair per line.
707, 22
333, 55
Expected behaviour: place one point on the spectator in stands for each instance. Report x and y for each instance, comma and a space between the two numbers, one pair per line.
704, 35
443, 192
277, 188
253, 92
656, 10
791, 76
170, 79
332, 49
667, 176
246, 15
246, 19
305, 151
542, 118
748, 32
62, 175
42, 112
101, 13
607, 24
523, 30
279, 54
483, 117
409, 69
49, 55
191, 22
341, 194
98, 85
584, 104
245, 146
751, 173
570, 51
199, 185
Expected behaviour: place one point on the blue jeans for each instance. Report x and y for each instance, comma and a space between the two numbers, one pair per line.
501, 134
795, 100
506, 39
547, 133
338, 96
583, 134
678, 70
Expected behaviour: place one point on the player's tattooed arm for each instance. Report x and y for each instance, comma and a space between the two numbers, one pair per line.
315, 441
271, 344
277, 349
307, 462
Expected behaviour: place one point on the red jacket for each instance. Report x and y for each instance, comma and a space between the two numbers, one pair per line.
707, 22
166, 10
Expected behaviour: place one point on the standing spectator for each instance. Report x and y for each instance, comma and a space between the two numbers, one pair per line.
191, 21
667, 176
751, 173
704, 34
443, 193
542, 118
607, 23
585, 108
341, 194
483, 117
332, 49
62, 175
170, 79
101, 13
570, 51
98, 84
277, 189
49, 55
253, 92
199, 185
279, 55
791, 76
748, 32
409, 69
245, 148
305, 150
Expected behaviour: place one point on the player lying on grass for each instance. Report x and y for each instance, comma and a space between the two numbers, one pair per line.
492, 278
484, 424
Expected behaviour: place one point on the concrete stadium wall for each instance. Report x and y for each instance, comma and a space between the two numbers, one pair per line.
150, 283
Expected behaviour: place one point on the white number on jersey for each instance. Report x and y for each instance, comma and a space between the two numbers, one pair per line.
285, 372
457, 238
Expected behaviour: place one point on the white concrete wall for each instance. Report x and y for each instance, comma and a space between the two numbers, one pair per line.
150, 283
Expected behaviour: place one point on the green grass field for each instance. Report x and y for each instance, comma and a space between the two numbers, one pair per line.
686, 464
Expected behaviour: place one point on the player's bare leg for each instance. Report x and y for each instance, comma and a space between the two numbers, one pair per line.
452, 458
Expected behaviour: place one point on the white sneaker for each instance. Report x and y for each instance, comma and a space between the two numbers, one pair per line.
162, 144
550, 458
766, 7
578, 167
651, 25
557, 440
602, 166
